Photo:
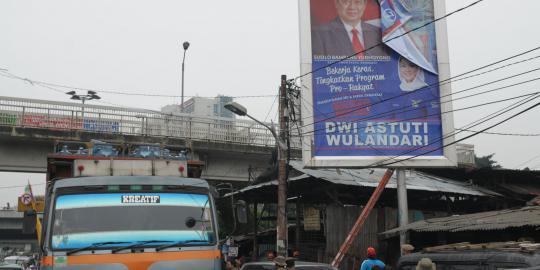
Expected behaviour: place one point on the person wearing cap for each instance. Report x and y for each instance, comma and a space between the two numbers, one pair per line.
281, 263
290, 263
407, 249
371, 260
426, 264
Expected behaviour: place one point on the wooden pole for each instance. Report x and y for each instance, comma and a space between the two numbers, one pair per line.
362, 218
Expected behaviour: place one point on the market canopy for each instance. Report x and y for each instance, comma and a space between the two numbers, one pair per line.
349, 183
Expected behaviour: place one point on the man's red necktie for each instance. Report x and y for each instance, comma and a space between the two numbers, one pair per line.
357, 45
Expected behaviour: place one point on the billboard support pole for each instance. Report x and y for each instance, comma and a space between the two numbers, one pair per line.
403, 208
362, 218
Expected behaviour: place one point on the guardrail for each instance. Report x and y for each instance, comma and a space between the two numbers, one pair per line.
55, 115
34, 113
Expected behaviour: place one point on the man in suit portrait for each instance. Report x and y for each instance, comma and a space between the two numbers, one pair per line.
347, 34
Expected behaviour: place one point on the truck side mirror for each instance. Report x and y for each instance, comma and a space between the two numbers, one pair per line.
29, 222
241, 211
214, 192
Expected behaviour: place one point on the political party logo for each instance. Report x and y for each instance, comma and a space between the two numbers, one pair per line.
389, 16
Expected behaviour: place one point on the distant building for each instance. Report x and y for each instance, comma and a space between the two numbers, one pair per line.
201, 106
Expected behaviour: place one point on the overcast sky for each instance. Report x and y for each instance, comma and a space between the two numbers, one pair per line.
238, 48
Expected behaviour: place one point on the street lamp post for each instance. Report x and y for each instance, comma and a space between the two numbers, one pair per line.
89, 96
186, 46
281, 228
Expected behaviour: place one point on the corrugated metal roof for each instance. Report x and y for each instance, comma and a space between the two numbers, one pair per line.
522, 189
484, 221
370, 178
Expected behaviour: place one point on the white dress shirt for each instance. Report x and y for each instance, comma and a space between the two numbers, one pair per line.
358, 27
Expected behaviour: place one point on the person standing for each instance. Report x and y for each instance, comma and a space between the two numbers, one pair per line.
407, 249
231, 265
426, 264
270, 255
371, 260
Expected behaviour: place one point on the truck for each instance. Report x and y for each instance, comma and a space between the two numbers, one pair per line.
110, 207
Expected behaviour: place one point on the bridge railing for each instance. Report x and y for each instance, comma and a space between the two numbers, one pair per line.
105, 119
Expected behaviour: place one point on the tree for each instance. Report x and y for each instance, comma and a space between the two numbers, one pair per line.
486, 162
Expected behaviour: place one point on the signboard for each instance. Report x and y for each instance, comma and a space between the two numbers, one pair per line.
372, 90
312, 219
233, 251
47, 121
24, 203
101, 125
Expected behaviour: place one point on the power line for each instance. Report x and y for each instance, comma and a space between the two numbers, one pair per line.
498, 68
481, 120
403, 110
467, 137
451, 134
531, 96
456, 110
465, 108
535, 167
529, 160
382, 43
98, 101
475, 123
51, 85
173, 96
8, 187
436, 98
446, 81
504, 134
105, 102
470, 125
462, 74
270, 110
470, 107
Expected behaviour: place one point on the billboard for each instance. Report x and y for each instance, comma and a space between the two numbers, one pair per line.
371, 85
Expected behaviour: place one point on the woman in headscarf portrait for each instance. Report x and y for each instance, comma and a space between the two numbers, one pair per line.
410, 75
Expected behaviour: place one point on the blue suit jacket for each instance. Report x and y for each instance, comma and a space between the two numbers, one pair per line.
332, 39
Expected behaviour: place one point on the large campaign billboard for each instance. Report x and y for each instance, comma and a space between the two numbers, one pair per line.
372, 84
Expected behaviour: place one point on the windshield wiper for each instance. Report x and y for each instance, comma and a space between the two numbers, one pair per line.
140, 243
93, 245
178, 243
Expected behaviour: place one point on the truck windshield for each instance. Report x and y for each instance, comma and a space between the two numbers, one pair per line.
81, 220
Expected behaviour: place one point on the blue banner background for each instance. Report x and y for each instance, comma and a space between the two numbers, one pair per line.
361, 107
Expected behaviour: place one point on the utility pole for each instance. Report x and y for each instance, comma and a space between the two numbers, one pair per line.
282, 143
403, 208
281, 230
